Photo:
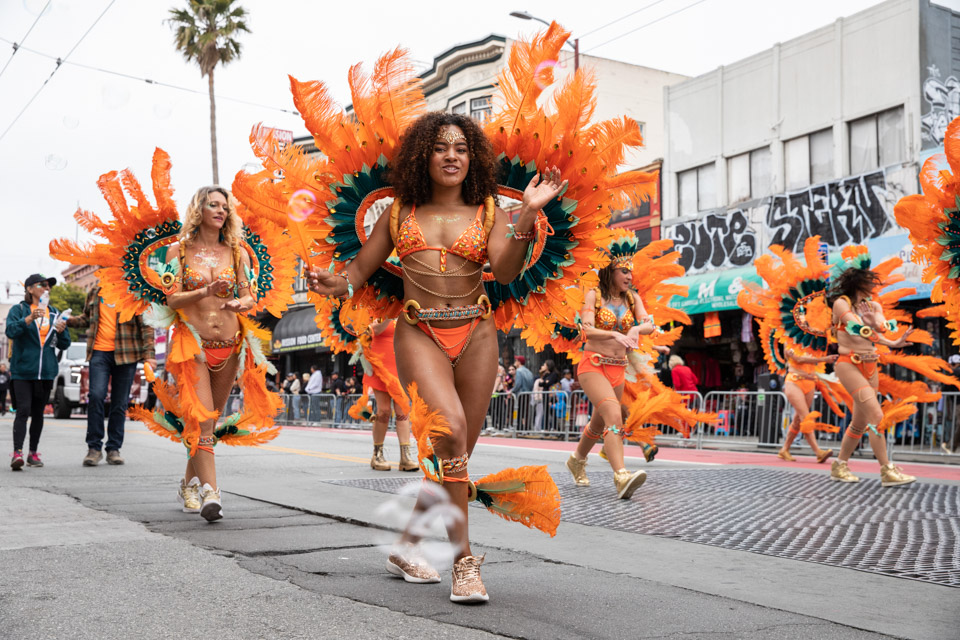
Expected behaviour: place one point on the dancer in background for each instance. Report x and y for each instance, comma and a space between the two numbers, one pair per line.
383, 380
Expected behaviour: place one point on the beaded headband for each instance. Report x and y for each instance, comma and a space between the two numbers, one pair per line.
450, 136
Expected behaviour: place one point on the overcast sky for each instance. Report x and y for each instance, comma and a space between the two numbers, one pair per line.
86, 122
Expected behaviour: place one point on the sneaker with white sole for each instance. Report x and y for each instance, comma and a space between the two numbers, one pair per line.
189, 495
466, 585
210, 508
405, 561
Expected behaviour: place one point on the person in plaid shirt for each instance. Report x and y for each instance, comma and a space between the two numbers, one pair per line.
113, 350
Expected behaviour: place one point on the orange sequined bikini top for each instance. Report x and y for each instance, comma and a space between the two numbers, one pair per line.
607, 318
193, 280
470, 245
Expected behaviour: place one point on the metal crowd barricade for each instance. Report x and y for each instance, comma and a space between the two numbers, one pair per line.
932, 430
502, 414
542, 414
746, 418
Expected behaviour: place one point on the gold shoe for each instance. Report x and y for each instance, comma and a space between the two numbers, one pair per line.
189, 495
892, 476
466, 585
841, 473
210, 508
579, 470
603, 454
649, 451
405, 562
783, 454
626, 482
378, 462
407, 462
823, 454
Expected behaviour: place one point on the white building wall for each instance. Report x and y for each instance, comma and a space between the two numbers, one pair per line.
859, 66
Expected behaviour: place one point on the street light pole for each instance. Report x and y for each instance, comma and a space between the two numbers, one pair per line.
523, 15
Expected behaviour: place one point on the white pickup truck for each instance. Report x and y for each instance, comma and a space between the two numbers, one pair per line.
72, 389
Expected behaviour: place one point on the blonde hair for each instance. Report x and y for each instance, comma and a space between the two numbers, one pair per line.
232, 231
674, 361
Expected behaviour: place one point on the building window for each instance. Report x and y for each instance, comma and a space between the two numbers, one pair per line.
748, 175
480, 108
876, 141
697, 189
808, 159
460, 108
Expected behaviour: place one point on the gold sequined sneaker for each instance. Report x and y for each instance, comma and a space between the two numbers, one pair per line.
466, 585
626, 482
893, 476
189, 496
210, 508
841, 473
378, 462
578, 468
404, 561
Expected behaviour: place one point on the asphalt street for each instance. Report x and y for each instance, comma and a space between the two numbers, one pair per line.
106, 552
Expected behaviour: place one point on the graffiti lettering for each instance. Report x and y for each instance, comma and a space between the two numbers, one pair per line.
717, 240
844, 212
943, 96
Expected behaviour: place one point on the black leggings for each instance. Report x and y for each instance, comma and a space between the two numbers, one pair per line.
32, 397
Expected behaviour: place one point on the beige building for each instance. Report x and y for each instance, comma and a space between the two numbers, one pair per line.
81, 275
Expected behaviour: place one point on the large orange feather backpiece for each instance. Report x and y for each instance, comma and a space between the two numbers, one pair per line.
136, 278
933, 220
528, 134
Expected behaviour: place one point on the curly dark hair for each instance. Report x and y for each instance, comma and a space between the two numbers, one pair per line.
410, 174
605, 277
850, 283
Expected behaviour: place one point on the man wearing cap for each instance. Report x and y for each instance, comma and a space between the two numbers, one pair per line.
33, 362
113, 351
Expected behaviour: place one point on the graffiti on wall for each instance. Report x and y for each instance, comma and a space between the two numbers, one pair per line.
718, 240
847, 211
844, 212
943, 98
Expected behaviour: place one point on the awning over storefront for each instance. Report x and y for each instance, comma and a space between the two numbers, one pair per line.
717, 290
297, 330
714, 291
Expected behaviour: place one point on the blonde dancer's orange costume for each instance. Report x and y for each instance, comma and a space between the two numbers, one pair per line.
128, 281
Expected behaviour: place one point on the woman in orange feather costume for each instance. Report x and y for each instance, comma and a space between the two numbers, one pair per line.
220, 268
389, 394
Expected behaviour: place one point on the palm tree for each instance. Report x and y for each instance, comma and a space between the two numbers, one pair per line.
205, 34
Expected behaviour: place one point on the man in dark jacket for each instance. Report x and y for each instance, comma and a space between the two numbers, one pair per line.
113, 351
37, 331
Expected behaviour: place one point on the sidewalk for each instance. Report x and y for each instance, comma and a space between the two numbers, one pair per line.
297, 555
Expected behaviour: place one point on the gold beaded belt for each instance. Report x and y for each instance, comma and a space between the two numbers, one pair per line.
857, 358
221, 344
413, 313
801, 376
598, 360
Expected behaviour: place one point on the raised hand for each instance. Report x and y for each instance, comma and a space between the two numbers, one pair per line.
218, 287
326, 283
867, 311
543, 188
902, 340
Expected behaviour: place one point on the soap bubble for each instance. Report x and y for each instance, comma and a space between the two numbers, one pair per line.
70, 122
302, 205
54, 162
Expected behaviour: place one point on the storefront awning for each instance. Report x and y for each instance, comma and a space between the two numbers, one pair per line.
714, 291
297, 330
717, 290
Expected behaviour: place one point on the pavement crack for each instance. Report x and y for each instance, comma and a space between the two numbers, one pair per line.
296, 552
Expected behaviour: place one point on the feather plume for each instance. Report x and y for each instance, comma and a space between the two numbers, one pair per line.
527, 495
429, 427
811, 424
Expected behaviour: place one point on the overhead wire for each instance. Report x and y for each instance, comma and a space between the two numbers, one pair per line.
645, 25
152, 81
16, 47
59, 63
621, 18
